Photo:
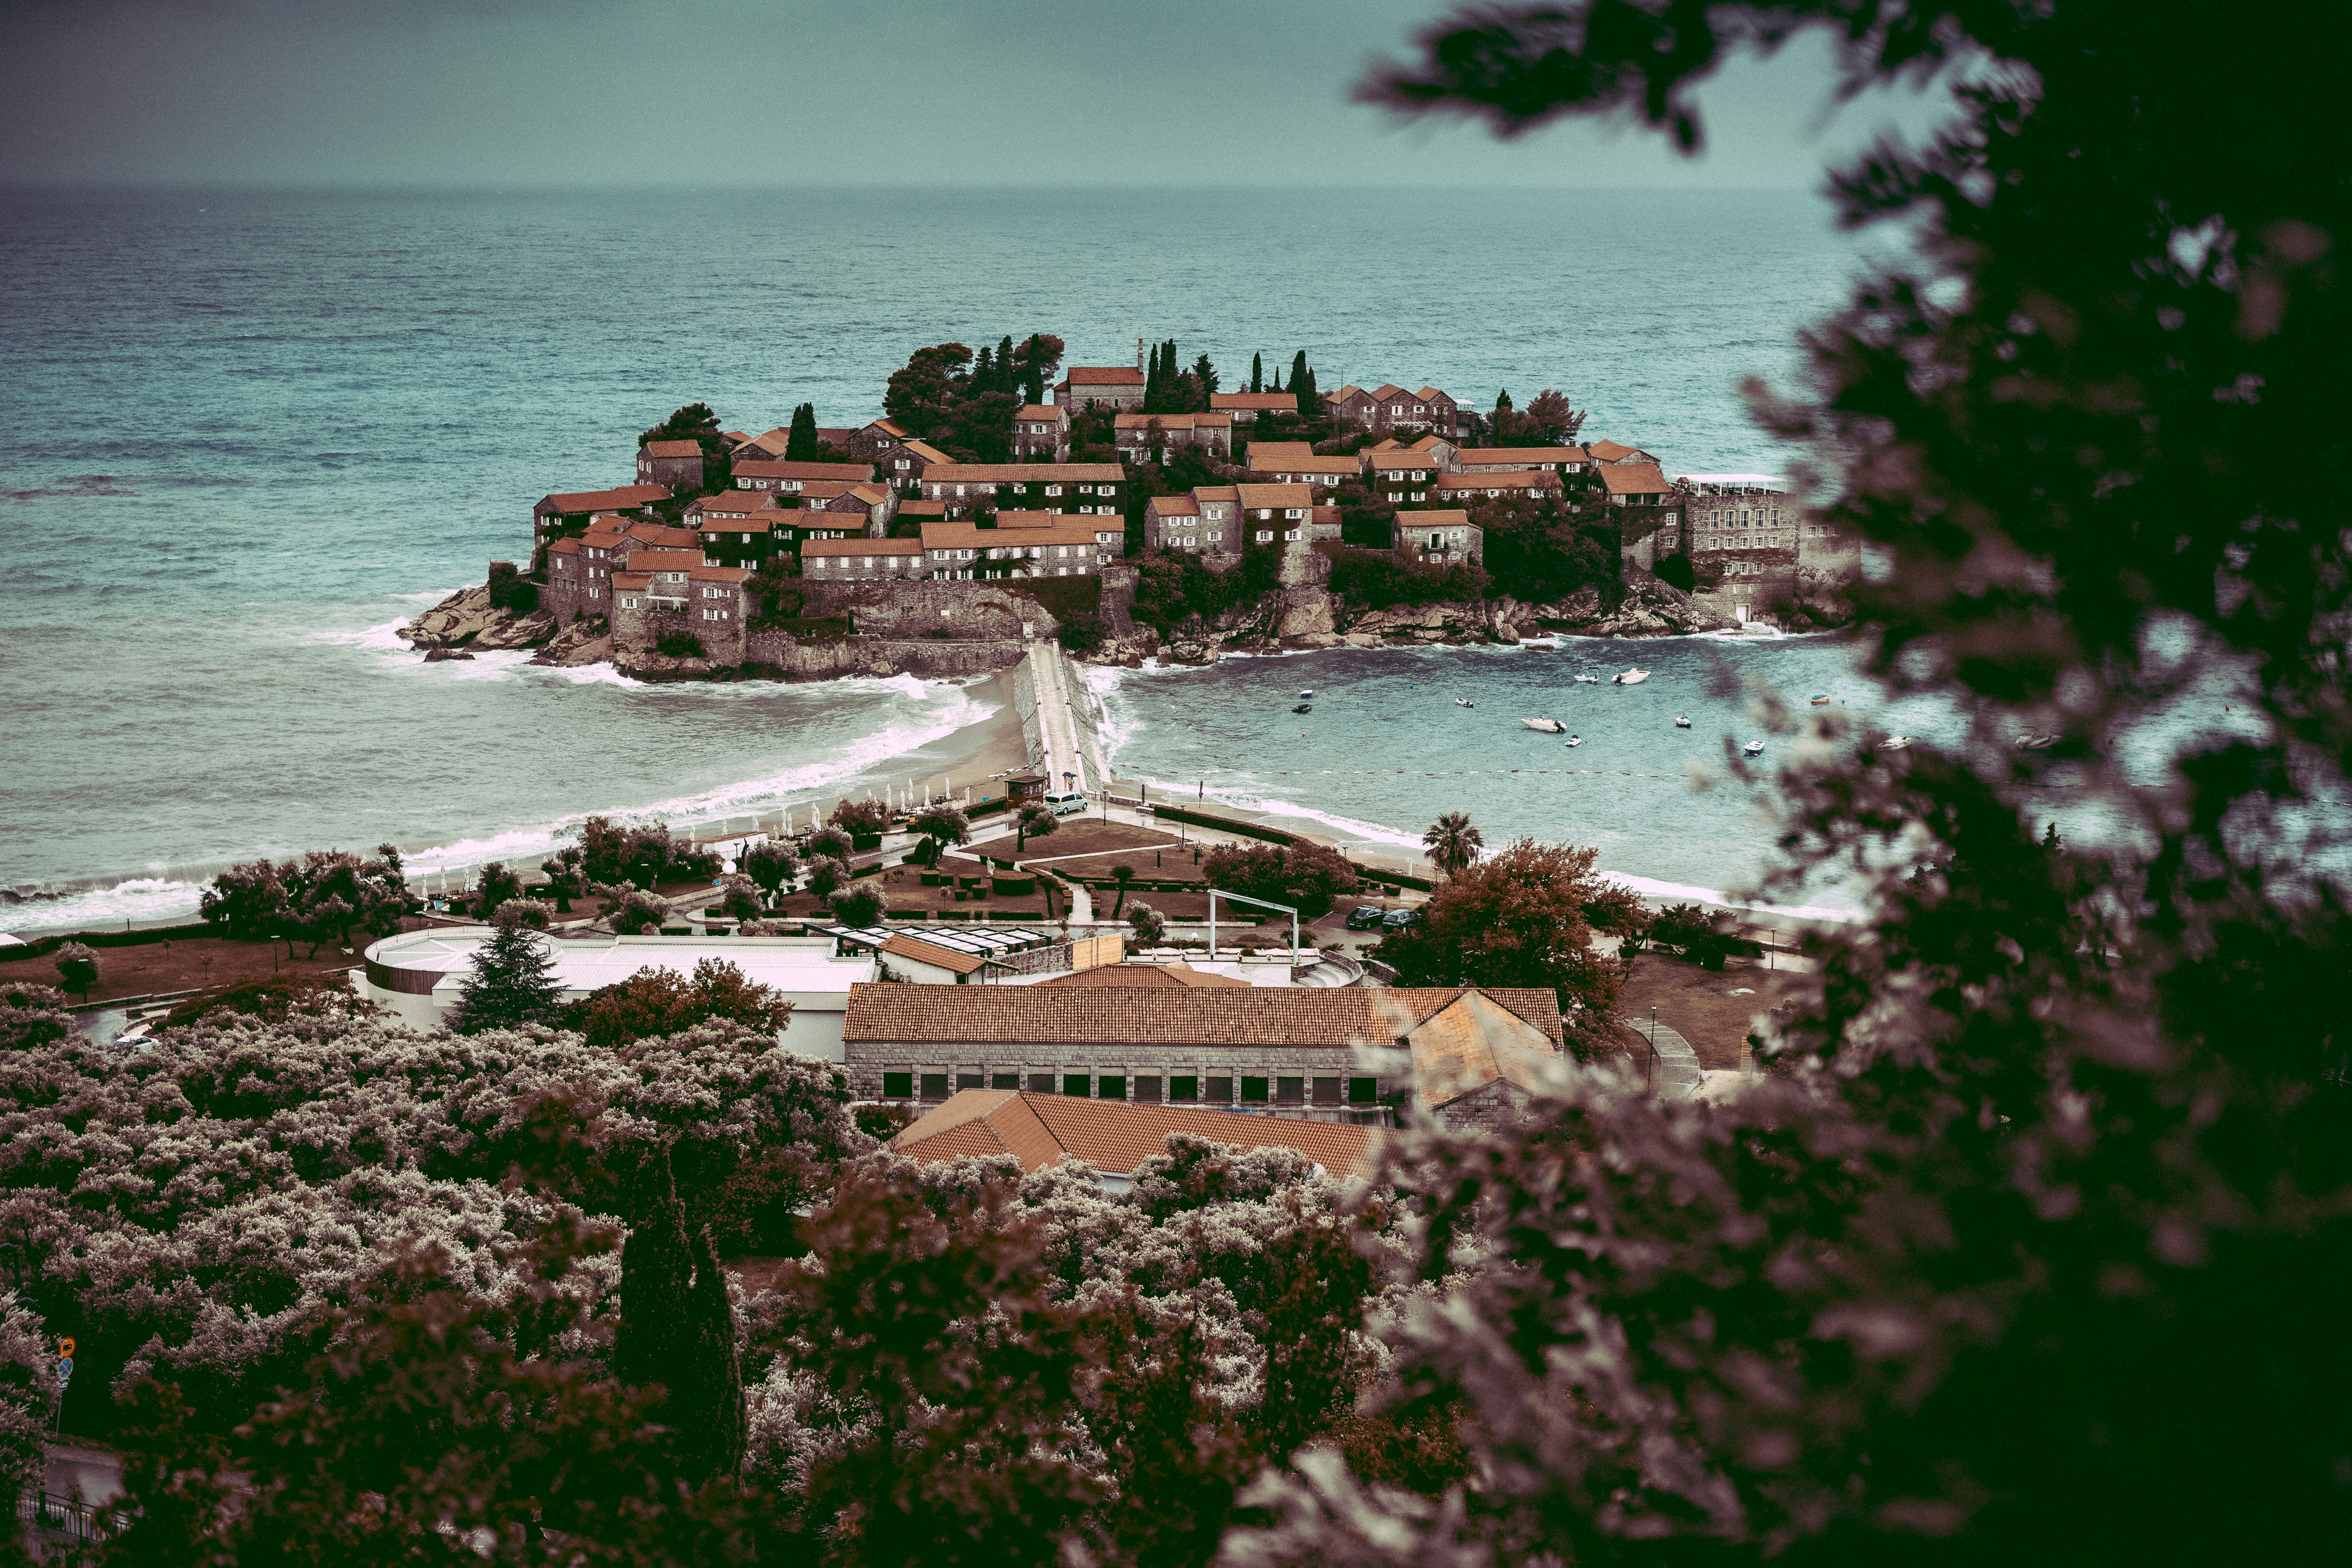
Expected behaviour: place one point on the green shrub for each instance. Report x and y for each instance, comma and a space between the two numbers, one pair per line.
679, 644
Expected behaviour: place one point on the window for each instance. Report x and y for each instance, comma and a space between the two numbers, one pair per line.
1085, 490
1113, 1087
1147, 1091
970, 1080
1291, 533
1005, 1081
1266, 536
1326, 1091
1290, 1092
1254, 1091
897, 1084
1217, 1091
1215, 536
1053, 489
1185, 1087
628, 604
1363, 1091
1075, 1083
1041, 1083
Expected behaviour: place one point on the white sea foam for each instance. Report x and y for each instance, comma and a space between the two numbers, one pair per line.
1348, 826
1651, 888
144, 899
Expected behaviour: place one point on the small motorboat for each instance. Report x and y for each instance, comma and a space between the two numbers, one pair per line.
1631, 678
2034, 741
1588, 680
1682, 721
1754, 747
1895, 742
1464, 702
1818, 699
1548, 726
1304, 694
1576, 739
1304, 708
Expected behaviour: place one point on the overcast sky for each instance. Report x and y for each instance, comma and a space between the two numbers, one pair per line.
519, 93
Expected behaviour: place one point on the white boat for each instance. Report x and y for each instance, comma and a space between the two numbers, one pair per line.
1631, 678
1575, 740
2032, 740
1307, 694
1818, 699
1895, 742
1464, 702
1588, 680
1681, 723
1754, 747
1548, 726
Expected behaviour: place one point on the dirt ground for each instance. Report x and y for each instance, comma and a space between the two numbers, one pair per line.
1080, 836
1699, 1002
185, 964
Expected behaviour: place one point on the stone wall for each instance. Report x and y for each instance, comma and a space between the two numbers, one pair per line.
933, 611
931, 659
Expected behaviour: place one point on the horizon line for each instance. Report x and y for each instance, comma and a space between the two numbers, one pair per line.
317, 187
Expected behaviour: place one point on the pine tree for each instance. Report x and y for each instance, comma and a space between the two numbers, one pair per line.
1257, 374
512, 983
800, 446
1502, 401
678, 1327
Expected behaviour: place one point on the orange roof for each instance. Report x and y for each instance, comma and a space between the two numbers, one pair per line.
1112, 1135
1434, 518
1147, 977
1172, 506
1259, 402
633, 580
1171, 421
1023, 473
925, 450
719, 574
1042, 412
1523, 479
565, 547
1388, 390
1610, 451
922, 952
758, 522
672, 449
1427, 393
1275, 495
735, 500
1027, 520
1405, 458
1517, 457
888, 428
664, 560
628, 497
1633, 480
760, 471
1099, 375
1262, 1016
860, 545
922, 508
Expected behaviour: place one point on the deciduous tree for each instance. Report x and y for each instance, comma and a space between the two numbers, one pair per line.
655, 1001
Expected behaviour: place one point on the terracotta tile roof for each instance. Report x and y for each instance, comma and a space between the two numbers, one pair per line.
671, 449
660, 537
738, 574
764, 470
1212, 421
1023, 1014
922, 508
1172, 506
735, 501
1041, 412
1103, 375
1351, 390
1324, 516
1403, 459
1112, 1135
1216, 492
664, 560
861, 546
945, 535
628, 497
565, 547
922, 952
1428, 394
1633, 480
633, 580
1517, 457
888, 428
1023, 473
1388, 390
1275, 495
1149, 977
1258, 401
1434, 518
1265, 452
1470, 1043
925, 450
1610, 451
1027, 520
759, 523
775, 440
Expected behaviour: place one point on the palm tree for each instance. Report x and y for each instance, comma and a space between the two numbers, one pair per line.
1122, 875
1452, 843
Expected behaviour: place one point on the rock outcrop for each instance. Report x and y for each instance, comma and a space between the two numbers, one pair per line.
467, 620
582, 642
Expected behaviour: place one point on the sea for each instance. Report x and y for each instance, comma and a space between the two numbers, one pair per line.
245, 435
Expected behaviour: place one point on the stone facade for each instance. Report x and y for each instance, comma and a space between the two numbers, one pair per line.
1087, 488
873, 441
1090, 386
1392, 407
1146, 437
1041, 434
1438, 538
670, 464
861, 559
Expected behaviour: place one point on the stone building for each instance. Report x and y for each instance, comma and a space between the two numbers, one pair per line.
1634, 484
1113, 1138
903, 466
567, 515
1084, 487
670, 464
1753, 544
1090, 386
862, 559
1266, 1050
1053, 545
1041, 433
1298, 463
1391, 407
1402, 476
1147, 438
578, 572
1474, 489
1272, 514
1436, 538
872, 442
663, 593
871, 501
790, 478
1245, 406
1521, 459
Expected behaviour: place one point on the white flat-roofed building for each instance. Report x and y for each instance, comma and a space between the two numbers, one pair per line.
417, 975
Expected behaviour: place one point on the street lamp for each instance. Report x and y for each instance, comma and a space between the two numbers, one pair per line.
1650, 1074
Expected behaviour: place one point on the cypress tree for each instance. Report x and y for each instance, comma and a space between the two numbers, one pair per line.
1298, 367
1004, 372
1302, 381
1205, 374
800, 446
1257, 374
678, 1327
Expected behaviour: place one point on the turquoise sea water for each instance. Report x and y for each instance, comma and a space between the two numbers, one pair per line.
247, 435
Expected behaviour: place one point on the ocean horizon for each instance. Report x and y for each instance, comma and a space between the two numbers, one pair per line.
250, 432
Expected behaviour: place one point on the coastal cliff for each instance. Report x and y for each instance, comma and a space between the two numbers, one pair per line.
468, 620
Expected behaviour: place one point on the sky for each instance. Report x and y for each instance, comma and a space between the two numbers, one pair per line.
499, 94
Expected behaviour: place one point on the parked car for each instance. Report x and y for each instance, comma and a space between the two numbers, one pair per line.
1397, 920
1066, 803
1365, 918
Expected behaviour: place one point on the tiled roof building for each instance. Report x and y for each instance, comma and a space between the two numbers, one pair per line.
1041, 1130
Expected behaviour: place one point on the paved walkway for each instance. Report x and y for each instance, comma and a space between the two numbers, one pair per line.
1677, 1070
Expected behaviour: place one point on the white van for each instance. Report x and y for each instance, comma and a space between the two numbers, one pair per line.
1066, 803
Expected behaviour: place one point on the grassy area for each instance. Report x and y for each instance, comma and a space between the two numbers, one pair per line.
185, 964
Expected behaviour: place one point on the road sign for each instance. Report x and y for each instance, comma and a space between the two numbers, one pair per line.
66, 1349
65, 1370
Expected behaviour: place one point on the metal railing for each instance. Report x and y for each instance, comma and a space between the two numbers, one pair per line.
66, 1517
